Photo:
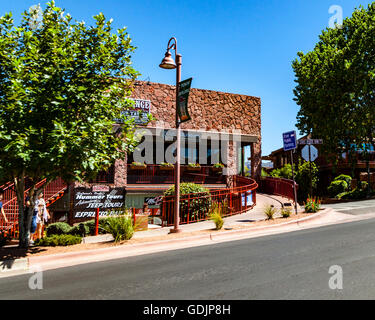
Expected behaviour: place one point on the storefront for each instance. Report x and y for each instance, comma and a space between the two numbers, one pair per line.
224, 131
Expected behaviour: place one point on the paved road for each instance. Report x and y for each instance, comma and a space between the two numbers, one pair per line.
354, 207
285, 266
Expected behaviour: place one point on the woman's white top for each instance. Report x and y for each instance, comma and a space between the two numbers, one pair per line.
41, 202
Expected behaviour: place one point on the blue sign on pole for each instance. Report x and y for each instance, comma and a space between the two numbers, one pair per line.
290, 140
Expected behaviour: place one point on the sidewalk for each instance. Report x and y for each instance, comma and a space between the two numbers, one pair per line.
255, 214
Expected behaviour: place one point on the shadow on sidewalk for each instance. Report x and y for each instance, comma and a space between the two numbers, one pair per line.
9, 254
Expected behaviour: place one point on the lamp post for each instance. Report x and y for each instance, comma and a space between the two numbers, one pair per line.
169, 63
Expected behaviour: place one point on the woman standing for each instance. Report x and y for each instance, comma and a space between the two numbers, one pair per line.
40, 216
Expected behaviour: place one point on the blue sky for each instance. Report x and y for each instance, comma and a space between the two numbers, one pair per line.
244, 47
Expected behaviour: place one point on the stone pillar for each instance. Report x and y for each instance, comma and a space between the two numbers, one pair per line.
231, 163
256, 160
120, 173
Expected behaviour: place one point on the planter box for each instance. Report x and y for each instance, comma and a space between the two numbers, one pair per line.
134, 167
193, 169
167, 168
217, 170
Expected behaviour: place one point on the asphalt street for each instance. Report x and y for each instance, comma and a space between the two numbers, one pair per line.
354, 207
291, 265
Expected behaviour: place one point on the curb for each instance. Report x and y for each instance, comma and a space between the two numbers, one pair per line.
21, 264
59, 260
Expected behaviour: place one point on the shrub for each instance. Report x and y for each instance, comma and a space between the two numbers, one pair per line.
285, 212
58, 240
312, 205
346, 178
216, 215
196, 207
121, 227
269, 211
337, 187
81, 229
303, 178
356, 194
91, 226
264, 173
58, 228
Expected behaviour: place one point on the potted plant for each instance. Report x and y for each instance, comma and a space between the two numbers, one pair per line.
166, 166
193, 167
217, 167
138, 166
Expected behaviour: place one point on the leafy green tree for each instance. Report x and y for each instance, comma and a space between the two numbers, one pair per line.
284, 172
62, 84
303, 178
336, 84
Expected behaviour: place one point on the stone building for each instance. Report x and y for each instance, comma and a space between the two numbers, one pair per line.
224, 128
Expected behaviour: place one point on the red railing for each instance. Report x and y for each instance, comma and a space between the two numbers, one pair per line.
277, 186
196, 207
53, 191
157, 174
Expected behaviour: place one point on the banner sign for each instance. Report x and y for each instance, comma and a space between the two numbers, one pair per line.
182, 99
86, 201
140, 111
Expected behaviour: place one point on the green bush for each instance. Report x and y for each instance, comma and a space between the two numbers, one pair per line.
284, 172
303, 179
195, 207
346, 178
356, 194
216, 215
121, 227
58, 228
269, 211
285, 212
337, 187
58, 240
91, 226
81, 229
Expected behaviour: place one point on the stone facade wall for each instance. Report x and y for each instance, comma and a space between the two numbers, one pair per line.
209, 110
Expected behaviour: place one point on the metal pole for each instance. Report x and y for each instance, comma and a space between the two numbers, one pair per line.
311, 194
97, 222
178, 147
294, 183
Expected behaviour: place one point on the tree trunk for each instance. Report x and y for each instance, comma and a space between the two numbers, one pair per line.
19, 183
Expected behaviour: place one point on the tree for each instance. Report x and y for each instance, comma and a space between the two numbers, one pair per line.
62, 84
336, 85
307, 173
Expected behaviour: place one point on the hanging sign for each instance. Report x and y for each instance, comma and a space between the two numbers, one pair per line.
139, 112
182, 99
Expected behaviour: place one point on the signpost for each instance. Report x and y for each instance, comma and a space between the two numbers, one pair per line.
290, 143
